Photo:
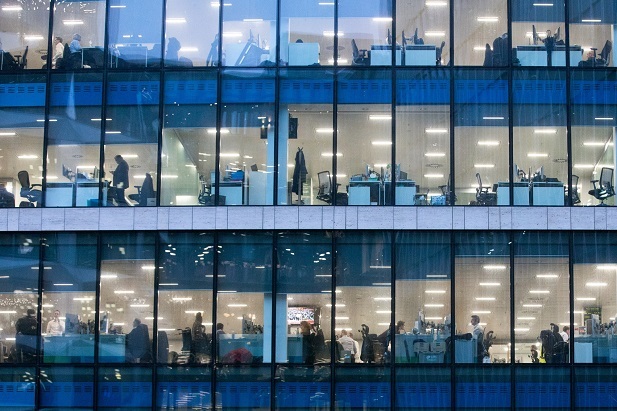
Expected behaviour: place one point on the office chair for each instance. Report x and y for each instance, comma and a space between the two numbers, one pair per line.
144, 192
439, 52
22, 61
483, 197
360, 57
574, 187
325, 192
446, 191
605, 188
604, 54
488, 56
27, 191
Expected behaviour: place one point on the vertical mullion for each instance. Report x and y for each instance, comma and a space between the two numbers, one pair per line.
511, 364
273, 320
569, 106
571, 316
510, 107
393, 112
159, 165
214, 348
392, 327
453, 320
47, 104
333, 344
97, 316
155, 314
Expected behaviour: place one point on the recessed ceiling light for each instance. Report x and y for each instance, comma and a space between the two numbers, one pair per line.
591, 21
175, 20
539, 292
324, 130
433, 175
436, 130
480, 312
434, 33
526, 318
227, 155
585, 298
594, 143
494, 267
382, 19
8, 133
253, 20
521, 330
435, 291
487, 19
28, 157
490, 284
436, 3
545, 131
604, 118
435, 154
380, 117
330, 33
485, 298
11, 8
433, 305
596, 284
606, 267
537, 155
583, 166
543, 4
532, 305
72, 22
484, 165
547, 276
488, 143
381, 143
331, 155
492, 118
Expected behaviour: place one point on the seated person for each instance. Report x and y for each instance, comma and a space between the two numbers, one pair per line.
7, 199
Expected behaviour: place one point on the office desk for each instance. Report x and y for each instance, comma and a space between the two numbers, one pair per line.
597, 349
251, 342
73, 194
112, 347
404, 191
93, 57
405, 350
76, 348
420, 55
381, 55
530, 55
303, 54
364, 192
521, 193
232, 190
547, 194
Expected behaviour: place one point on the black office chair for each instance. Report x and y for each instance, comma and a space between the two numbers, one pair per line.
439, 52
446, 191
28, 191
360, 57
603, 188
574, 187
22, 61
605, 54
488, 56
144, 192
325, 192
483, 196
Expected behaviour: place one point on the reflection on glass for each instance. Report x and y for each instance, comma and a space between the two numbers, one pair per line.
67, 387
591, 28
422, 139
482, 311
123, 387
481, 133
363, 298
125, 315
422, 299
185, 325
481, 33
24, 29
68, 311
244, 303
541, 283
189, 139
303, 308
301, 388
305, 132
184, 387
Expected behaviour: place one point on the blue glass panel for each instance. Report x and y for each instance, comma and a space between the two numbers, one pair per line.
595, 388
422, 87
483, 388
17, 388
363, 388
183, 387
243, 388
302, 388
248, 86
125, 388
542, 388
423, 388
81, 93
67, 387
356, 87
194, 91
123, 93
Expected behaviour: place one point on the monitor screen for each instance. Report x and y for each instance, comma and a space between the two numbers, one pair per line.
295, 315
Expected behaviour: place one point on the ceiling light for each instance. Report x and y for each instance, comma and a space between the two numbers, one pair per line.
168, 284
213, 131
382, 284
232, 34
532, 305
434, 33
140, 305
526, 318
252, 20
175, 20
545, 131
494, 267
182, 299
594, 143
488, 19
28, 157
604, 118
435, 291
33, 37
537, 155
339, 61
433, 318
341, 318
72, 22
479, 48
488, 143
480, 312
189, 49
124, 292
237, 305
591, 21
380, 117
11, 8
83, 298
493, 118
547, 276
490, 284
324, 130
484, 165
330, 33
331, 155
595, 284
383, 312
606, 267
539, 292
109, 275
543, 4
382, 298
436, 130
7, 133
148, 267
381, 143
326, 3
435, 154
382, 19
433, 305
437, 276
433, 175
485, 298
585, 298
63, 284
521, 330
436, 3
8, 312
583, 166
113, 132
228, 155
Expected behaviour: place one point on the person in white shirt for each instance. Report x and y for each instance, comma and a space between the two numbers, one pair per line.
565, 334
58, 51
347, 343
356, 347
477, 328
55, 326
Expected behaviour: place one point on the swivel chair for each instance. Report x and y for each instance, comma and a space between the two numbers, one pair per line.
359, 57
28, 191
439, 52
145, 192
576, 198
603, 188
325, 192
605, 54
483, 197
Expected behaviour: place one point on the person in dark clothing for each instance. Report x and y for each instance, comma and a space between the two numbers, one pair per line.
309, 351
300, 173
138, 343
25, 337
121, 179
549, 44
7, 199
534, 355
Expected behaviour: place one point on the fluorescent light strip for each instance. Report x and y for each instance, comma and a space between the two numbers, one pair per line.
237, 305
434, 33
488, 143
434, 154
493, 118
382, 19
437, 276
594, 143
484, 165
596, 284
431, 175
485, 298
436, 130
591, 21
175, 20
490, 284
604, 118
543, 4
606, 267
182, 299
487, 19
433, 305
539, 292
381, 143
435, 291
436, 3
537, 155
382, 298
494, 267
545, 131
380, 117
480, 312
585, 298
526, 318
532, 305
547, 276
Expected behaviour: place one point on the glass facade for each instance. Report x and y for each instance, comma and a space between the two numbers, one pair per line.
406, 102
226, 120
307, 319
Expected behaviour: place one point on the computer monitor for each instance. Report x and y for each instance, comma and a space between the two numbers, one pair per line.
254, 167
402, 176
71, 324
540, 173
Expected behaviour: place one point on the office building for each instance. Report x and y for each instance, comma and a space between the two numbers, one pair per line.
197, 198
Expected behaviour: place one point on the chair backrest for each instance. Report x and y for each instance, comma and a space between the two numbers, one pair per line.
606, 50
574, 187
606, 178
479, 181
24, 179
325, 184
354, 49
24, 61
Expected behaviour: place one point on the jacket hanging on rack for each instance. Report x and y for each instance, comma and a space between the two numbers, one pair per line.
299, 173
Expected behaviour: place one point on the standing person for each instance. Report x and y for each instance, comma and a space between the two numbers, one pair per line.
121, 179
549, 44
138, 343
477, 328
356, 347
309, 351
219, 329
348, 344
75, 45
58, 51
25, 337
55, 325
7, 199
198, 329
534, 355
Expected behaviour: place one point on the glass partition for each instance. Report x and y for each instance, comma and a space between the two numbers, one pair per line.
191, 30
185, 325
189, 139
422, 166
67, 387
481, 33
423, 32
68, 320
363, 298
592, 29
305, 131
134, 33
481, 140
244, 301
423, 298
24, 29
249, 33
126, 300
79, 27
540, 141
131, 137
482, 311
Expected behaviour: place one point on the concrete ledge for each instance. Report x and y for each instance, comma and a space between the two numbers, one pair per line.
308, 218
